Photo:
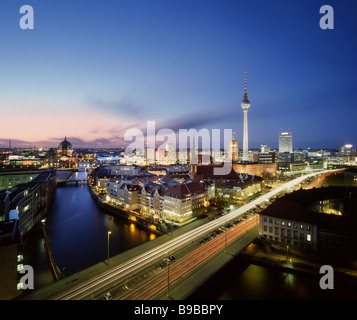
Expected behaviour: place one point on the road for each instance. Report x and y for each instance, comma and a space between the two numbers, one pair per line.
150, 284
118, 274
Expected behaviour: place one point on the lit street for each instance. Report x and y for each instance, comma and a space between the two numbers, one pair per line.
102, 283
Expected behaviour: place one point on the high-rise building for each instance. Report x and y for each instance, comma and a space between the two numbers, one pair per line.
264, 148
285, 142
233, 149
245, 106
347, 152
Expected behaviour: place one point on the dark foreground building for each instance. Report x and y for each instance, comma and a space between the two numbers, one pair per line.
322, 220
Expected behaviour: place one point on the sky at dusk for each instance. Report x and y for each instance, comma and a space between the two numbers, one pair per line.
92, 69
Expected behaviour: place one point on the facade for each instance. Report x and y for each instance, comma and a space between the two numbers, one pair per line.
285, 142
348, 153
65, 149
283, 226
26, 161
124, 194
29, 201
264, 157
184, 201
233, 150
264, 148
13, 178
62, 157
256, 169
173, 201
322, 218
11, 261
235, 191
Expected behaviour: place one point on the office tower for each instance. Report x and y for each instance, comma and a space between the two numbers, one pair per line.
245, 106
285, 142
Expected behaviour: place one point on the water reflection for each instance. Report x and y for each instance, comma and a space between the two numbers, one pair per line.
239, 280
78, 233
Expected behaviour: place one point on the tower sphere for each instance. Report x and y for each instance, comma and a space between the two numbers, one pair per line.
245, 103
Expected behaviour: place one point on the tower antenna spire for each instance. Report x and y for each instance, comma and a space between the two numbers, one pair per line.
245, 76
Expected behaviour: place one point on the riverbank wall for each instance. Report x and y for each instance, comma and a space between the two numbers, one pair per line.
126, 214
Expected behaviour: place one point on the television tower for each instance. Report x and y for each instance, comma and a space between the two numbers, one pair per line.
245, 106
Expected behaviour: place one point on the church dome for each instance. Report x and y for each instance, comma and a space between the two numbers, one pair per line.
65, 145
65, 148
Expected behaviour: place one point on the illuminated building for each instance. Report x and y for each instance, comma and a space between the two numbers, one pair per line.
173, 201
264, 157
26, 161
256, 169
29, 201
348, 153
319, 218
233, 149
65, 149
124, 194
65, 155
238, 190
62, 157
264, 148
13, 178
285, 142
245, 106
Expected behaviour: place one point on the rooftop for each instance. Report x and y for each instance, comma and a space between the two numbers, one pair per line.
294, 207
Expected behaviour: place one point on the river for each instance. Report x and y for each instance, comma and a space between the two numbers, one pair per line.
78, 232
241, 280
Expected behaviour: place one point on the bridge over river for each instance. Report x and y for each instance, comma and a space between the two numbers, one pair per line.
71, 176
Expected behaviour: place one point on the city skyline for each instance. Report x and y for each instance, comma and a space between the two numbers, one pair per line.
92, 76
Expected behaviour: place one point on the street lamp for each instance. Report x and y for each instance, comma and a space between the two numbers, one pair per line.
109, 233
168, 275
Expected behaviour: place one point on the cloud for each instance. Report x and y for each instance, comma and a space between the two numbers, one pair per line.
124, 106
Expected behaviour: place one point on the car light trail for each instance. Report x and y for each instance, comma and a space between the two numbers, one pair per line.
134, 265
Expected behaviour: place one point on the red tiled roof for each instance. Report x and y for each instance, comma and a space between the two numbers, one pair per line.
185, 189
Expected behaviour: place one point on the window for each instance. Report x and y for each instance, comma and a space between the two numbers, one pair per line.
308, 237
276, 231
289, 224
301, 227
265, 228
276, 222
295, 235
308, 228
283, 223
